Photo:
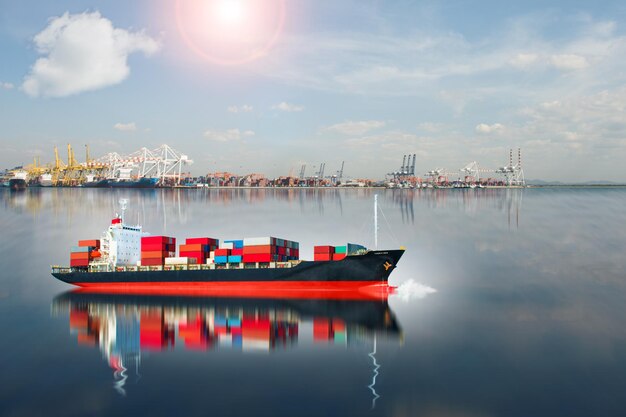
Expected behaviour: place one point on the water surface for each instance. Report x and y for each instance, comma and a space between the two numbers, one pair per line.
528, 316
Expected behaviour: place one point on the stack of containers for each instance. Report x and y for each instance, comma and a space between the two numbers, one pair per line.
329, 253
86, 251
154, 249
340, 253
269, 249
198, 248
236, 250
323, 253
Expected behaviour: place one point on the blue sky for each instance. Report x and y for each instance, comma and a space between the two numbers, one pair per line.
360, 81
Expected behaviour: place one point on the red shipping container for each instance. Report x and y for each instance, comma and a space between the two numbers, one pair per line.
79, 262
323, 249
258, 257
196, 247
93, 243
322, 256
222, 252
259, 249
194, 254
281, 250
158, 239
236, 252
79, 255
154, 254
155, 246
201, 240
338, 256
152, 261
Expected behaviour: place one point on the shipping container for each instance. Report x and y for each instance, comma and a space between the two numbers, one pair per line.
79, 262
254, 241
234, 259
340, 249
322, 256
152, 261
226, 245
259, 257
80, 255
237, 244
222, 252
181, 260
237, 251
259, 249
221, 259
194, 247
338, 256
93, 243
156, 254
202, 240
324, 249
76, 249
158, 239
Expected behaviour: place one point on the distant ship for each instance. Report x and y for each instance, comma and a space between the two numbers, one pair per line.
18, 181
45, 180
122, 183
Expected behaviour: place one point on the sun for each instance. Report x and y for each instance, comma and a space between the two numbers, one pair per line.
230, 11
230, 32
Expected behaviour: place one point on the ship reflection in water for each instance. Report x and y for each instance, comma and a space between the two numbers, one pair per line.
124, 325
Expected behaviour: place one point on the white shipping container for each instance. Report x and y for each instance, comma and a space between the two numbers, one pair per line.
181, 260
254, 241
229, 245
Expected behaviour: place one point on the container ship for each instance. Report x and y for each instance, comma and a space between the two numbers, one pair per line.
126, 259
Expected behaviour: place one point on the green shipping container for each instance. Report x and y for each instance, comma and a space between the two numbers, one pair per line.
340, 249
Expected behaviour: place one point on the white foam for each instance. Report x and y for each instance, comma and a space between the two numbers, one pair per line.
411, 290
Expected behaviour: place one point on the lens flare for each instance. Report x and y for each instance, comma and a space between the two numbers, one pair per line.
230, 32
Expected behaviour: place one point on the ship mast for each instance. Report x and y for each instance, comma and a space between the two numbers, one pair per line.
375, 221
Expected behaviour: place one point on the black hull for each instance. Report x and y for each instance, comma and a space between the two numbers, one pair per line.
374, 267
141, 183
17, 184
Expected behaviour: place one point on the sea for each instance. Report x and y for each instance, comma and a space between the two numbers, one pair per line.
509, 302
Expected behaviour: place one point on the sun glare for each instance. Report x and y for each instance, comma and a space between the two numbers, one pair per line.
230, 32
230, 11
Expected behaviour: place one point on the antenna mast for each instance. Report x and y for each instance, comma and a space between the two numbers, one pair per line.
375, 221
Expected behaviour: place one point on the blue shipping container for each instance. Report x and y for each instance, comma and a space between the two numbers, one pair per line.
81, 249
234, 259
237, 244
221, 259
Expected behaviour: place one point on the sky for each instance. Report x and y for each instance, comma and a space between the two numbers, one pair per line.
264, 86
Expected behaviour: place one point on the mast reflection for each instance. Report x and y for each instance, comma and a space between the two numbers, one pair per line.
123, 326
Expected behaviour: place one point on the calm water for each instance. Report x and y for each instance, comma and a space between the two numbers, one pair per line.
528, 316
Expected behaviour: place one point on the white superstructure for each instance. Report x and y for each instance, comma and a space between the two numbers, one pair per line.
121, 243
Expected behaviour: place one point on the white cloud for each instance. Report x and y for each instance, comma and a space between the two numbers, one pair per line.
288, 107
524, 60
569, 62
125, 127
240, 109
82, 52
6, 86
356, 127
227, 135
488, 129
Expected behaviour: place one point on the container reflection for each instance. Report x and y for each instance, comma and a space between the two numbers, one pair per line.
123, 326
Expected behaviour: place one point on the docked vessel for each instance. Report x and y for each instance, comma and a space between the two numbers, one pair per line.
126, 259
122, 183
18, 181
45, 180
